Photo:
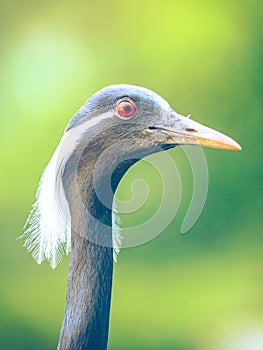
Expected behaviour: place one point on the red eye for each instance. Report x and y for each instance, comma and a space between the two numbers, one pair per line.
125, 109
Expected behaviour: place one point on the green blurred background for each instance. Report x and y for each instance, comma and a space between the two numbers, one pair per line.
202, 290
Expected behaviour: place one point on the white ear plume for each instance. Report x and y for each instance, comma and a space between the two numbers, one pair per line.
47, 234
48, 228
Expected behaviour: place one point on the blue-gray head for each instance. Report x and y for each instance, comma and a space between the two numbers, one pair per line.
148, 115
114, 128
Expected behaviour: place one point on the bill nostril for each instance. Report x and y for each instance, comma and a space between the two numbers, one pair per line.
152, 128
190, 130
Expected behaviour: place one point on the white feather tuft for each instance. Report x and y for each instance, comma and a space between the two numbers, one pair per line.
47, 234
48, 228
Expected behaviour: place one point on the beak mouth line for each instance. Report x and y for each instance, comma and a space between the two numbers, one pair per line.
196, 134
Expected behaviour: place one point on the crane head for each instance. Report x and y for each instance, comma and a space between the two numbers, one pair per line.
134, 111
118, 125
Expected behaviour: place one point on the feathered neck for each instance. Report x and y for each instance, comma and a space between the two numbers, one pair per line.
48, 228
86, 318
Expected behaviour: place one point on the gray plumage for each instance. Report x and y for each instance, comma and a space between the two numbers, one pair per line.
100, 142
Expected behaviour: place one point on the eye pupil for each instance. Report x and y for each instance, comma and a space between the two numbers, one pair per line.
125, 109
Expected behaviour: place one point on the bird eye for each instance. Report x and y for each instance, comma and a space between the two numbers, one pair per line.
125, 109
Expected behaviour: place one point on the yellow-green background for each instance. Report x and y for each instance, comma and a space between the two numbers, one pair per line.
183, 292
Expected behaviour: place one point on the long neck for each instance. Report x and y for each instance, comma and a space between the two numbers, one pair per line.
87, 311
86, 319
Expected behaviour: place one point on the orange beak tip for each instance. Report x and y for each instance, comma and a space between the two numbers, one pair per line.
218, 140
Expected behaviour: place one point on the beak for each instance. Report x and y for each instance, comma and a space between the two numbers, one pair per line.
181, 130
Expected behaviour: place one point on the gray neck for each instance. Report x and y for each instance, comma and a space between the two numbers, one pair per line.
87, 311
86, 319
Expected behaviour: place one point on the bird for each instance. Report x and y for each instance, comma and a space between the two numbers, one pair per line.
74, 209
